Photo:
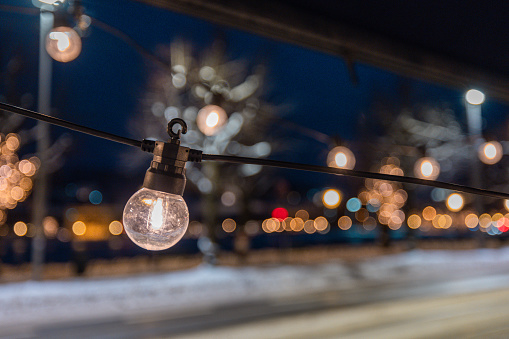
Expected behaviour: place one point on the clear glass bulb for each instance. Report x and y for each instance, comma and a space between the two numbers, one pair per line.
155, 220
63, 44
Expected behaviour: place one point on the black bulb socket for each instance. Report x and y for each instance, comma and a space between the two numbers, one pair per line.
167, 171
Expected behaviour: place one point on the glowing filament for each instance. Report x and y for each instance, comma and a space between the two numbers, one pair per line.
156, 217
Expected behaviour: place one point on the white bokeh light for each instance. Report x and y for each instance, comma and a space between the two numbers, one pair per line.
331, 198
474, 97
455, 202
63, 44
490, 152
341, 157
211, 119
427, 168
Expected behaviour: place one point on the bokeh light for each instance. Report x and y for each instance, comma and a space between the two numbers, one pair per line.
63, 44
20, 228
211, 119
309, 227
302, 214
369, 224
297, 224
345, 223
471, 220
50, 227
414, 221
353, 204
455, 202
331, 198
229, 225
490, 152
79, 228
429, 213
115, 227
485, 220
474, 97
341, 157
361, 215
280, 213
228, 198
95, 197
321, 223
427, 168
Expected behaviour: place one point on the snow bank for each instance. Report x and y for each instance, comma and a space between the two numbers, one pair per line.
37, 303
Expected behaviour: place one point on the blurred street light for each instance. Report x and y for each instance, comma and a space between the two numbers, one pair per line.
41, 3
341, 157
331, 198
490, 152
455, 202
474, 97
211, 119
63, 44
427, 168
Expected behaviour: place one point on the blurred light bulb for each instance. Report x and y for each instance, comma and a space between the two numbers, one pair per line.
427, 168
490, 152
211, 119
331, 198
455, 202
341, 157
51, 2
155, 220
63, 44
474, 97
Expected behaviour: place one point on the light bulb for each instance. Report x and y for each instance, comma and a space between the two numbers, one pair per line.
331, 198
427, 168
63, 44
490, 152
341, 157
156, 216
455, 202
155, 220
211, 119
474, 97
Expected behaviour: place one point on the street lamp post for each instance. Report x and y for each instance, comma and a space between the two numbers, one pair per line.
43, 143
474, 98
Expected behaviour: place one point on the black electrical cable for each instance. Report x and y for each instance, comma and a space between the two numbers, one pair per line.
353, 173
69, 125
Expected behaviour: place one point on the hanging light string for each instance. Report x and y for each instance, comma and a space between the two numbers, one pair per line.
69, 125
353, 173
147, 146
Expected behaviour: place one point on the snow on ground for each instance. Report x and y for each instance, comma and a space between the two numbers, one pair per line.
41, 303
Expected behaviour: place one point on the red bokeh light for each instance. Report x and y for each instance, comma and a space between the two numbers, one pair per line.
280, 213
